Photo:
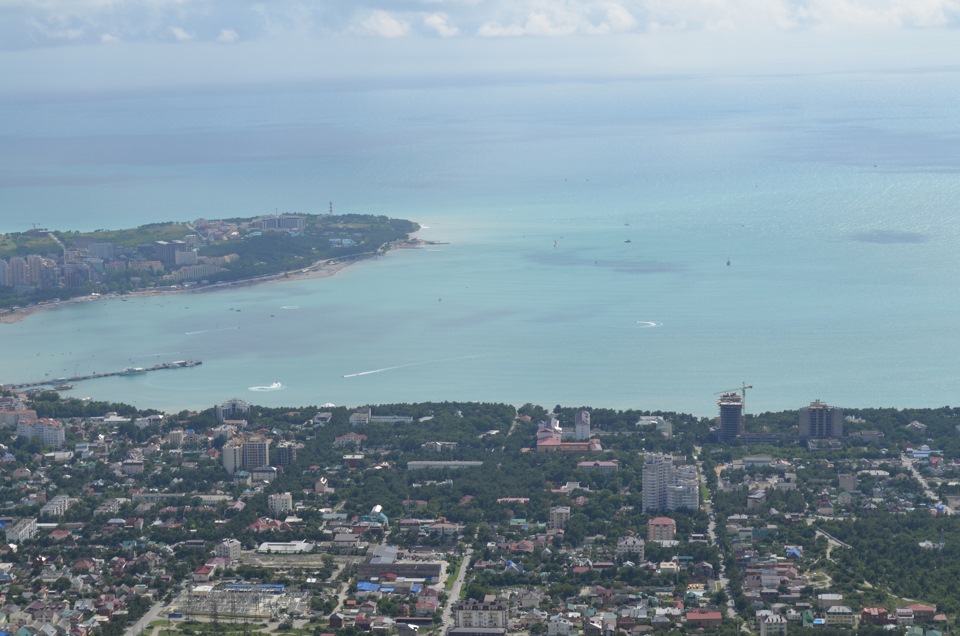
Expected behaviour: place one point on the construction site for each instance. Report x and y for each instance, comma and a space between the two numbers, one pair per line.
241, 601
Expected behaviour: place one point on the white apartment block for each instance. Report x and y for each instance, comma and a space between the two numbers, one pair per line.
490, 612
57, 506
50, 432
228, 549
280, 504
23, 530
668, 487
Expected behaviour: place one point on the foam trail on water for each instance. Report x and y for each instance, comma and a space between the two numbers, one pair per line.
193, 333
276, 386
413, 364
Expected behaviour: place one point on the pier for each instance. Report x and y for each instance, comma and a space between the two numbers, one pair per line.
179, 364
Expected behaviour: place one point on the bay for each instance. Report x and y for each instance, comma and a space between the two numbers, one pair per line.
583, 231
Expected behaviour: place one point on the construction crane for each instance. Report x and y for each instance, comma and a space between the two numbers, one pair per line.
742, 388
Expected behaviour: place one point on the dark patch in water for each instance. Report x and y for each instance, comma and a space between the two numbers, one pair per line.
623, 265
889, 237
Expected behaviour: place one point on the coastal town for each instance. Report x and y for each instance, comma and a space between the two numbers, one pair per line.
472, 519
41, 267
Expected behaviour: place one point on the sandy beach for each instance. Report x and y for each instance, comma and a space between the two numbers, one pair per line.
321, 269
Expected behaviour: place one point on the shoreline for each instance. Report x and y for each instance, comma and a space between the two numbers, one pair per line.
318, 270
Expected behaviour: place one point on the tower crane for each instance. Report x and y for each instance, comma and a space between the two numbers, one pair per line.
742, 389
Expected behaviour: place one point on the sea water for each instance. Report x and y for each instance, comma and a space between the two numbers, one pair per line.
632, 243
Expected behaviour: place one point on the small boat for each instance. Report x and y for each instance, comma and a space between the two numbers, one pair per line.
628, 241
133, 371
63, 387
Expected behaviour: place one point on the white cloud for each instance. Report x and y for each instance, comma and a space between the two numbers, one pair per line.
180, 34
382, 24
619, 18
440, 23
894, 14
228, 36
108, 38
57, 29
571, 18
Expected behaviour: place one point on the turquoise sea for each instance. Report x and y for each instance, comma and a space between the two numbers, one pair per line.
584, 229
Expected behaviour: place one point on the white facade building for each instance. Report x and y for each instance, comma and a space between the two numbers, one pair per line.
280, 504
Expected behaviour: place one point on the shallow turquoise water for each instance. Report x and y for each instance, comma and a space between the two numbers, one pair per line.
834, 199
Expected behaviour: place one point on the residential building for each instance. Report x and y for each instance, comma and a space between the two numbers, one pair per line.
848, 482
424, 464
490, 612
264, 473
231, 456
13, 418
360, 417
50, 432
132, 467
581, 426
904, 616
175, 437
22, 530
773, 625
874, 616
228, 549
322, 486
602, 466
819, 421
286, 454
256, 452
704, 618
827, 600
558, 625
57, 506
731, 416
559, 516
230, 409
280, 504
249, 453
631, 547
922, 613
841, 615
667, 487
661, 529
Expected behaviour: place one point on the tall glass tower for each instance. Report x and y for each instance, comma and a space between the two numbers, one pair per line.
731, 416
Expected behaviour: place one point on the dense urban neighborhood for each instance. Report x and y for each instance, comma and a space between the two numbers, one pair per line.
473, 519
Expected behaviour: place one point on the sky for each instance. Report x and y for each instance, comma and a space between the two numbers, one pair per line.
48, 45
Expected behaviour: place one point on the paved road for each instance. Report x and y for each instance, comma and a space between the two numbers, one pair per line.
712, 536
455, 590
910, 465
153, 614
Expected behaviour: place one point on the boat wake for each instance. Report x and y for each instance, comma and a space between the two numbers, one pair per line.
290, 307
194, 333
276, 386
648, 324
412, 364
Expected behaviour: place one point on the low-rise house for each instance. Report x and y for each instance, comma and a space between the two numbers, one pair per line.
773, 625
704, 618
874, 616
922, 613
841, 615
